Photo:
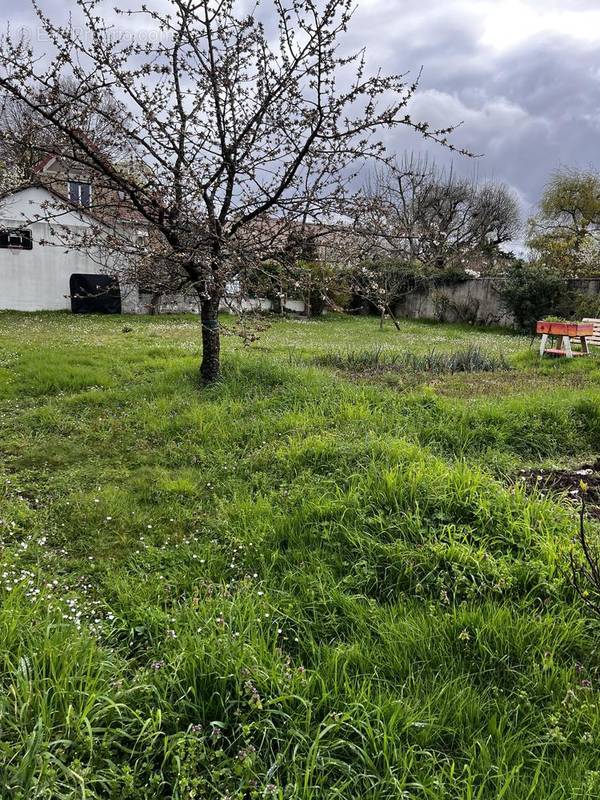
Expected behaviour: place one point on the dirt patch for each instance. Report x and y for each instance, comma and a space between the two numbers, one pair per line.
569, 483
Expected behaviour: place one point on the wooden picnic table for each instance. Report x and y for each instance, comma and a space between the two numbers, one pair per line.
566, 331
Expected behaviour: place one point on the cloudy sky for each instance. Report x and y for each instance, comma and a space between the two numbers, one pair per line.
522, 75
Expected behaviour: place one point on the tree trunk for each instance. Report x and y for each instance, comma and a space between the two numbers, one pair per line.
210, 367
307, 297
316, 304
276, 303
155, 303
394, 320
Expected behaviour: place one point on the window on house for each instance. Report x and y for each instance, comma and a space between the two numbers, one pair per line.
80, 194
16, 239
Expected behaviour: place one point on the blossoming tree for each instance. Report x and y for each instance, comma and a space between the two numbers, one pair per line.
226, 126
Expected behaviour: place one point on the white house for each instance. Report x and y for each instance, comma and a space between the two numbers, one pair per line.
35, 265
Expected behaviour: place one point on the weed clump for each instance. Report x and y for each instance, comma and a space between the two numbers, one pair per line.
470, 359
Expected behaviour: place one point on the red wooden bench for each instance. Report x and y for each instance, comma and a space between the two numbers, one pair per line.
567, 331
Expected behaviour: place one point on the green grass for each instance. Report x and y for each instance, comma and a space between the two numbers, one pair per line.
302, 582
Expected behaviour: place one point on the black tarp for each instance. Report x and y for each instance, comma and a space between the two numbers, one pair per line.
95, 294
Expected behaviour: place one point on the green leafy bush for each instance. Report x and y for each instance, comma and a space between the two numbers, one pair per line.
531, 292
587, 305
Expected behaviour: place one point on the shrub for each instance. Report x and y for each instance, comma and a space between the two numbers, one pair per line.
323, 285
587, 305
531, 292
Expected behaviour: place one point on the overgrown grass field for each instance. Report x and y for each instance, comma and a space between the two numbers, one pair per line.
320, 578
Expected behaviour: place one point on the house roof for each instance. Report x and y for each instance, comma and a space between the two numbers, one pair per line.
49, 159
43, 164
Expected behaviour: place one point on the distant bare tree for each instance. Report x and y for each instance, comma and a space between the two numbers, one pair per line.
420, 213
234, 125
26, 136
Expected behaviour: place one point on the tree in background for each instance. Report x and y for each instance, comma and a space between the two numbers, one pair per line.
380, 283
11, 177
235, 126
419, 213
421, 225
26, 137
565, 234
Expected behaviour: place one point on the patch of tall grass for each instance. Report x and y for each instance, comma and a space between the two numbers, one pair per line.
470, 359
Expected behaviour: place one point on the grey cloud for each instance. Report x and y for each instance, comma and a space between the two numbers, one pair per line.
528, 108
